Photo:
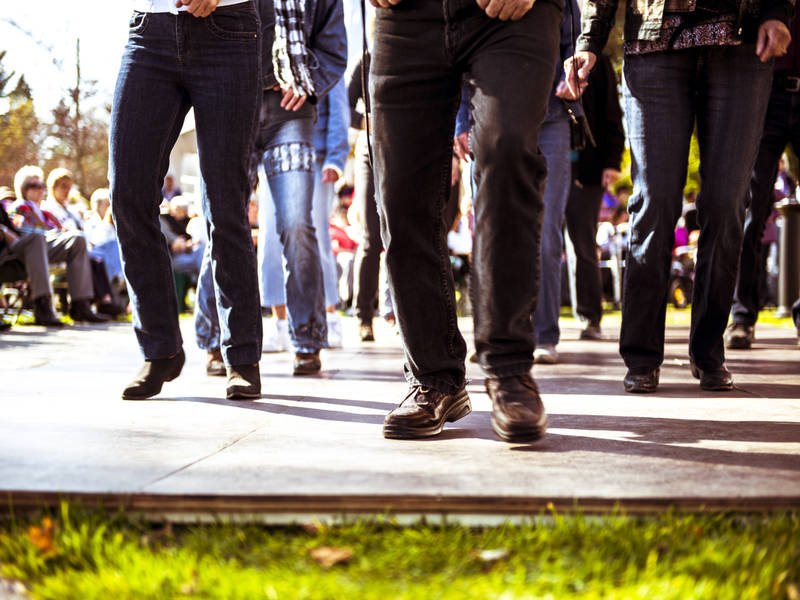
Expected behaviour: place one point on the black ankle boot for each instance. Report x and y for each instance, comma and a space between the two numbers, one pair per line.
244, 382
81, 310
153, 375
43, 313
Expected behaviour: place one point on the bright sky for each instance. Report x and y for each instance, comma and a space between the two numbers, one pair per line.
42, 44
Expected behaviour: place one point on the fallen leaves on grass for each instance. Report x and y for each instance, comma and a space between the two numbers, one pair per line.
42, 537
327, 556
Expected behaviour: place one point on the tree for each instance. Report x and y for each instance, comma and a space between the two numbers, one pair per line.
20, 128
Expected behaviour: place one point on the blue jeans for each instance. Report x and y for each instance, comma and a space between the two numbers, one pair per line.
285, 140
554, 141
172, 63
781, 126
724, 91
206, 323
320, 215
421, 51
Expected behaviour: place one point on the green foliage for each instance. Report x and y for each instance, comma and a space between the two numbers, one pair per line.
20, 129
672, 555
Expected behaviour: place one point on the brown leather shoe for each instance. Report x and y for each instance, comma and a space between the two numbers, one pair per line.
424, 412
152, 376
517, 411
714, 380
215, 365
642, 382
307, 363
244, 382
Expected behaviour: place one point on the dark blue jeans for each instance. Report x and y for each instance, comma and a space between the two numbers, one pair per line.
781, 126
422, 50
724, 91
173, 63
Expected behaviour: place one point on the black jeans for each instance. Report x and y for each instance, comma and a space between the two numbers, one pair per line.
422, 50
782, 126
367, 262
583, 206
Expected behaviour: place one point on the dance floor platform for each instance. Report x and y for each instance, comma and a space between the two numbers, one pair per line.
312, 447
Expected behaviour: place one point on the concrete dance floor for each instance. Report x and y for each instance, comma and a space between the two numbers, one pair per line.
314, 446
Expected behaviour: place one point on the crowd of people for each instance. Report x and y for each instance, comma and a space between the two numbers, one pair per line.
473, 154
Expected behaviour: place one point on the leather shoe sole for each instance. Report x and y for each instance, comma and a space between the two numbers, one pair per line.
399, 430
718, 380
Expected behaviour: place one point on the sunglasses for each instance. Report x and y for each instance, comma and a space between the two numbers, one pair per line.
34, 186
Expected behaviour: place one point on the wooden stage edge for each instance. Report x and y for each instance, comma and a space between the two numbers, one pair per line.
300, 509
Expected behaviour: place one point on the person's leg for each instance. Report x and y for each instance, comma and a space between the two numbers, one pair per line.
733, 90
415, 90
583, 206
776, 135
320, 216
109, 253
147, 115
31, 249
554, 143
206, 321
368, 254
658, 90
289, 166
70, 247
223, 79
270, 253
512, 70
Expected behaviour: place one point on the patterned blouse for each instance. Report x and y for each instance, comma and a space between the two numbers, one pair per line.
715, 31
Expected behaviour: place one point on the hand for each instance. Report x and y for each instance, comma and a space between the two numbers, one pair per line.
610, 177
384, 3
179, 245
198, 8
773, 39
291, 101
461, 146
330, 175
562, 91
505, 9
10, 236
576, 71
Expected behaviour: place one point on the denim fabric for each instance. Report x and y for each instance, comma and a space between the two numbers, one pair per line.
270, 252
554, 142
320, 215
206, 323
583, 206
724, 90
285, 141
108, 252
421, 51
172, 63
781, 126
330, 133
367, 261
189, 262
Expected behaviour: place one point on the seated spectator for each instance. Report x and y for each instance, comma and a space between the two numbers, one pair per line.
101, 235
187, 252
7, 198
31, 250
59, 185
69, 246
170, 188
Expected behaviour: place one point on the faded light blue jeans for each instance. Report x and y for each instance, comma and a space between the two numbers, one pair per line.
173, 63
724, 91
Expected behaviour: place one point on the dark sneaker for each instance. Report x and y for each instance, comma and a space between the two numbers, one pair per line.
714, 380
307, 363
592, 332
517, 411
215, 366
739, 336
643, 381
366, 333
152, 376
424, 412
244, 382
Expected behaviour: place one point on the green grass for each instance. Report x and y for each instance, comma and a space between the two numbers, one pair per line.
721, 556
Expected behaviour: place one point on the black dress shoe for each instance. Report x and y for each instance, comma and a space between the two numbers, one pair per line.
424, 412
517, 411
714, 380
43, 313
244, 382
641, 382
215, 366
81, 310
152, 376
307, 363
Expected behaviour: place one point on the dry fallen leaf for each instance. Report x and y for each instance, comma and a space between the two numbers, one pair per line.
491, 556
327, 556
792, 592
42, 537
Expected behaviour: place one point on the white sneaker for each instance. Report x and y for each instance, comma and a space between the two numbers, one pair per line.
334, 330
276, 336
545, 354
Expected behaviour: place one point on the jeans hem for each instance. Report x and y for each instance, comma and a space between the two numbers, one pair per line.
437, 384
511, 370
